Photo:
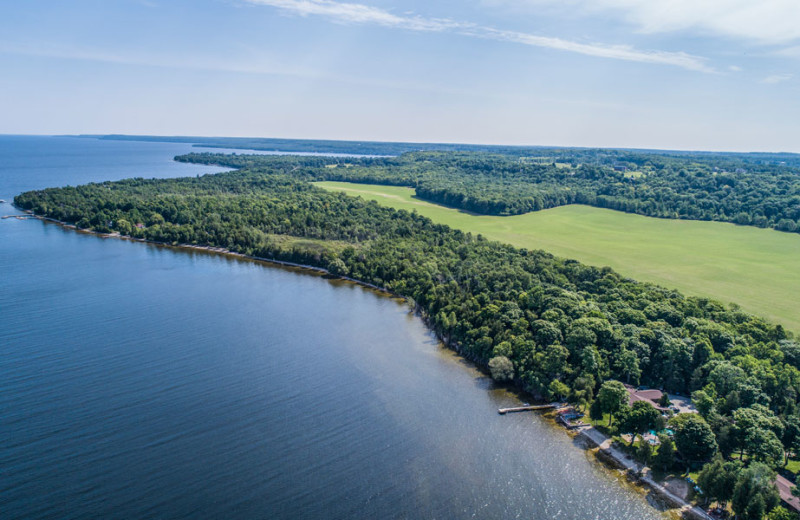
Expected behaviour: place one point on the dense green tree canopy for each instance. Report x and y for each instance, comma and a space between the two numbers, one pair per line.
731, 188
718, 479
754, 494
694, 438
613, 397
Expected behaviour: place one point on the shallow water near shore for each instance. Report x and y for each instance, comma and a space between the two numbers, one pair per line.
143, 381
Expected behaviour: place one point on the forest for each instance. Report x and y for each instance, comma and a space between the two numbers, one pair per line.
553, 327
729, 189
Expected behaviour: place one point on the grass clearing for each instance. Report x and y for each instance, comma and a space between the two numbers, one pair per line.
759, 269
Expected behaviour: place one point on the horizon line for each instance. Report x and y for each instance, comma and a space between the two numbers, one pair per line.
387, 142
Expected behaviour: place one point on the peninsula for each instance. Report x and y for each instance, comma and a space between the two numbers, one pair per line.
553, 327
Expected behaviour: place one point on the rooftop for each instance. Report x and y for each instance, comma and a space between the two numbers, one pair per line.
785, 490
649, 395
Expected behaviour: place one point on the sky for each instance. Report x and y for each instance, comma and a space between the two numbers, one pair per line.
667, 74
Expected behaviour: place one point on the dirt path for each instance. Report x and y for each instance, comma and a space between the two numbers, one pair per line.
604, 444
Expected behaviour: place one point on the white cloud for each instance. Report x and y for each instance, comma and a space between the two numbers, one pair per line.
762, 21
776, 78
619, 52
363, 14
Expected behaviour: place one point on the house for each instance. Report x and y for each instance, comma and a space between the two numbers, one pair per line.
678, 404
651, 396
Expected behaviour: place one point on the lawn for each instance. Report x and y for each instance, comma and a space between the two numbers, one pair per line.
793, 466
759, 269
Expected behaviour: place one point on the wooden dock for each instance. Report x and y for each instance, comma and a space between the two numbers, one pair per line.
530, 408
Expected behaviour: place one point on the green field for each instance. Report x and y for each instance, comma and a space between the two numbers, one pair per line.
758, 269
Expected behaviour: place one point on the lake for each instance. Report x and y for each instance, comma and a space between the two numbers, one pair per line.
141, 381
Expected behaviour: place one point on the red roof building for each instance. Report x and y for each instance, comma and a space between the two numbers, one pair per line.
651, 396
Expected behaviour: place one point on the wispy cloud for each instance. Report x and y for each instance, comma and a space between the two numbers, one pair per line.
762, 21
351, 13
777, 78
619, 52
361, 14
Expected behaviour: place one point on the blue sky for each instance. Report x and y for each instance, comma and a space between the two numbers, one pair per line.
674, 74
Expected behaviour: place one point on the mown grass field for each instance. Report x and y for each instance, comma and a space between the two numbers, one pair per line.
759, 269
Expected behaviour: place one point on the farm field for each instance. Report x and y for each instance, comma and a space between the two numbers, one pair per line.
759, 269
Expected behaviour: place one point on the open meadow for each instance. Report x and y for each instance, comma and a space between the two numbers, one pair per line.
759, 269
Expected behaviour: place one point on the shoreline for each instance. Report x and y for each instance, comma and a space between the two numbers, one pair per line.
320, 271
639, 474
604, 452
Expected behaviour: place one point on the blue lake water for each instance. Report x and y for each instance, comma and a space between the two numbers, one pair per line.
146, 382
